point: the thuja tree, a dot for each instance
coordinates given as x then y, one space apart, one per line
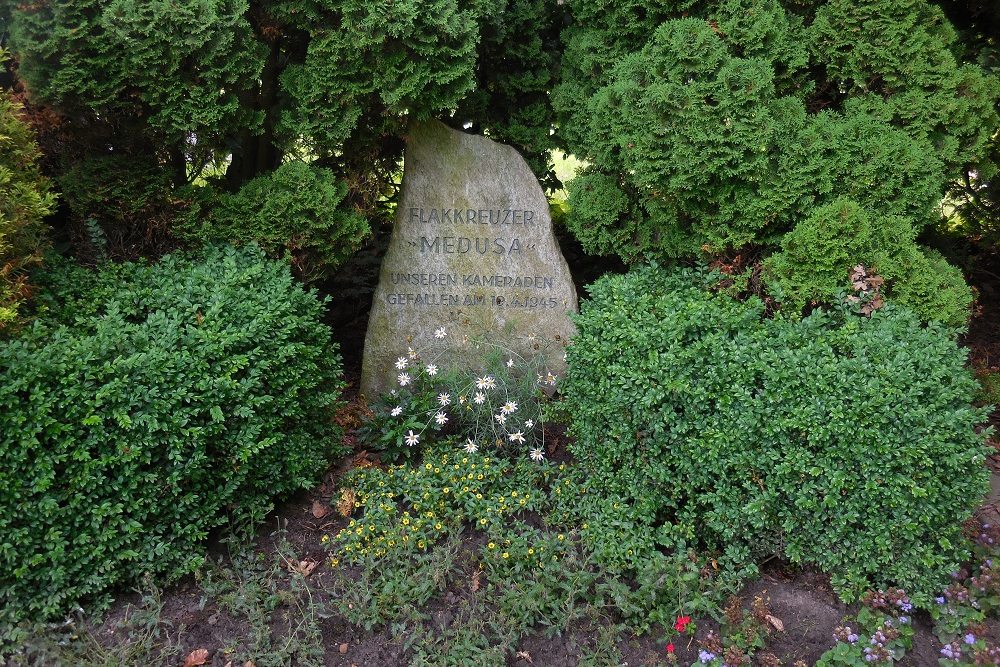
711 125
225 91
25 198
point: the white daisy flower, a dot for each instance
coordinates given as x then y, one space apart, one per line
529 424
491 383
541 379
481 383
509 407
510 363
440 333
396 411
401 363
412 438
404 379
516 437
462 400
432 369
444 399
500 417
537 455
470 446
479 398
411 352
531 337
551 379
441 418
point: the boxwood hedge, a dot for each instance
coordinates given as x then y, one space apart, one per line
837 441
156 403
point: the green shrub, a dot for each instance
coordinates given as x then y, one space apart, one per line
723 123
816 258
195 392
292 210
24 200
838 441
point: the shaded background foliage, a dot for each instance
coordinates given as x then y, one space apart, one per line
706 127
222 92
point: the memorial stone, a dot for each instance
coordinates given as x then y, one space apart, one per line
472 250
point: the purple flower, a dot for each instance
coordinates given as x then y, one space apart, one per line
853 638
705 657
939 600
951 652
970 639
904 619
906 606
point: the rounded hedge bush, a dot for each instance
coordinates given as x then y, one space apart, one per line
158 403
837 441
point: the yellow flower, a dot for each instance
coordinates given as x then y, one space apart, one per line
491 545
437 526
482 522
506 555
406 522
531 552
513 494
560 536
325 539
334 562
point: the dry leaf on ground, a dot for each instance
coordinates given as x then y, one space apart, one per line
319 510
196 657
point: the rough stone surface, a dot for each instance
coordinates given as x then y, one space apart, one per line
472 250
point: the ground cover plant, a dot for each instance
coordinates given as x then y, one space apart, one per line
148 406
533 552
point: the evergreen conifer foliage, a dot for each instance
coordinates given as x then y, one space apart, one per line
720 123
259 80
25 198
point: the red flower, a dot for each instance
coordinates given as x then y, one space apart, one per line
670 647
682 622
